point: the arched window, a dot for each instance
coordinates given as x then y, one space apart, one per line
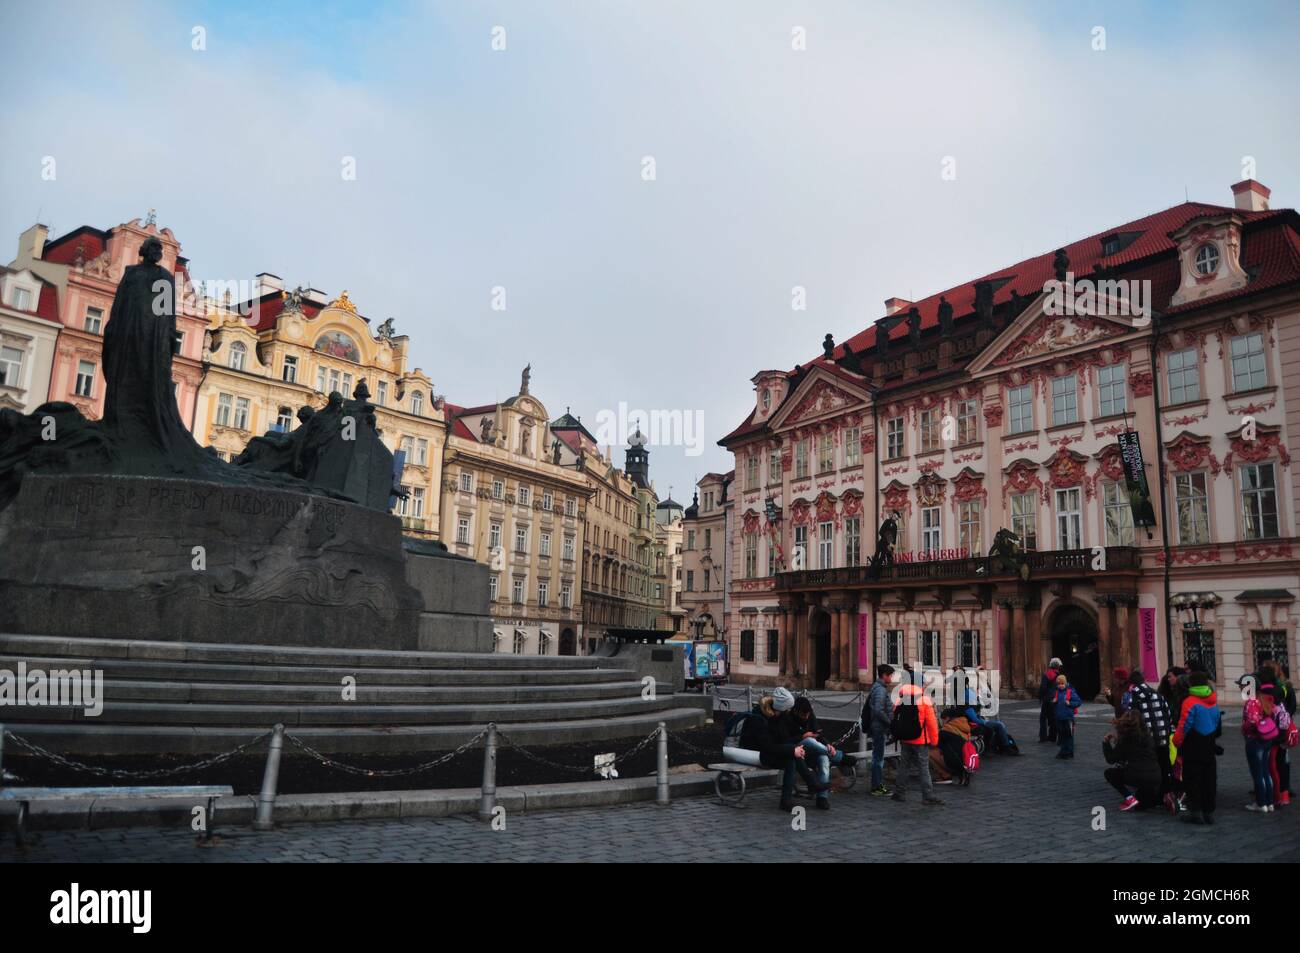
237 355
417 403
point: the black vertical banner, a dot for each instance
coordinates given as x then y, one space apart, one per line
1135 475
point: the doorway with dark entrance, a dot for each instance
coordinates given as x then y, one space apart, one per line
1075 642
568 643
821 668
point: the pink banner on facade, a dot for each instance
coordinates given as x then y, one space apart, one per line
864 662
1147 633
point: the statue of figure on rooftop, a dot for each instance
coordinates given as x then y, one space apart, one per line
914 325
386 330
945 316
828 347
1061 264
523 380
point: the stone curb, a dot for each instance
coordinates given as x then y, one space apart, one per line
236 812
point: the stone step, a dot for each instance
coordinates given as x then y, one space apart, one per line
146 669
85 739
59 646
219 693
266 715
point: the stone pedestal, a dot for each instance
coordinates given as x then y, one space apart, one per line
132 557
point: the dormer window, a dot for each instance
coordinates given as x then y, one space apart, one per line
1207 259
767 400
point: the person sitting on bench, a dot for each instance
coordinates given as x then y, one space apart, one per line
775 736
817 754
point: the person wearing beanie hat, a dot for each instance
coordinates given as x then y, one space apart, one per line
1117 693
1046 688
778 743
1065 702
782 700
1199 724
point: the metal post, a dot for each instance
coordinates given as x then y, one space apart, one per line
270 780
749 698
489 799
2 754
661 786
862 729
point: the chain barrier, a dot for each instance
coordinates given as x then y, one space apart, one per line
126 774
691 748
382 772
575 769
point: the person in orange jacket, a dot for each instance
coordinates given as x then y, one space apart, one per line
916 727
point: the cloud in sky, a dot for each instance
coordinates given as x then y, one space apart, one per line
522 168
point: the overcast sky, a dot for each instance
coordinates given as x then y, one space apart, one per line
523 168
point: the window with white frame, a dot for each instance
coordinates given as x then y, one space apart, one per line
1065 400
347 385
893 646
570 506
520 642
1206 261
417 502
567 551
284 420
774 465
543 593
771 558
544 544
751 472
382 396
1118 514
825 546
225 405
968 649
517 590
929 639
566 596
852 446
1248 369
417 403
498 490
20 299
825 453
968 428
751 556
95 320
852 540
289 372
1192 500
894 444
931 530
1183 373
1020 405
1069 519
466 481
547 501
525 495
421 452
321 384
404 500
85 385
801 543
494 584
1024 518
238 355
407 446
1112 389
494 534
800 459
11 366
1258 501
462 529
968 526
929 431
521 537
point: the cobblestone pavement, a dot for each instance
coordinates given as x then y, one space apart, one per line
1032 808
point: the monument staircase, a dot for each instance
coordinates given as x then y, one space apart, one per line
205 698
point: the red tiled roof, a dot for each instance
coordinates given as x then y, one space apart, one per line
269 307
453 413
63 250
47 304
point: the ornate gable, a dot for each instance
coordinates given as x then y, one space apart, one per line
816 398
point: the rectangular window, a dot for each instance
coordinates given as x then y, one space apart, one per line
320 379
547 501
825 453
544 545
517 591
853 541
1184 375
94 320
289 373
525 496
1069 519
1112 389
968 430
773 645
225 403
11 366
968 649
825 546
929 648
707 587
852 446
335 380
462 529
931 530
570 506
747 645
421 452
968 527
404 501
893 646
1119 514
800 459
1020 402
284 420
347 386
543 593
1198 646
774 465
1024 518
1192 498
466 481
1065 400
498 490
21 299
1269 644
751 556
771 559
708 539
690 539
894 445
494 583
519 641
85 386
417 502
1248 370
566 596
800 551
521 538
494 535
929 431
383 393
567 551
1258 501
690 580
751 472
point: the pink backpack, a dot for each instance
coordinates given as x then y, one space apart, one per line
970 757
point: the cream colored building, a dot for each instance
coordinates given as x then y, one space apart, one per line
267 357
510 502
667 585
704 557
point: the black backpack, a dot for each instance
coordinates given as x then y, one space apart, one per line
906 724
746 729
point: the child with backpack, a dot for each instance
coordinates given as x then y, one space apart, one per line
917 729
1199 724
1065 702
1260 718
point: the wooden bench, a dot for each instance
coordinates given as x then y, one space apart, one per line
29 796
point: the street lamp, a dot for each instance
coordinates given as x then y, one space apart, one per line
1193 603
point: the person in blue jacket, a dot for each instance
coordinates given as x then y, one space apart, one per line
1065 702
996 735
